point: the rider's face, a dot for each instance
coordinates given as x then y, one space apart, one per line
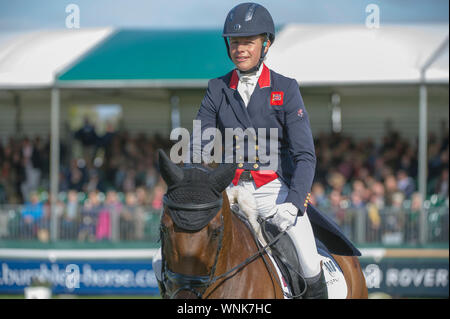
246 51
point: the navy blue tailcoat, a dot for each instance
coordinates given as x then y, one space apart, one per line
276 102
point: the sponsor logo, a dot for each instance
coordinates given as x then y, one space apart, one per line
330 267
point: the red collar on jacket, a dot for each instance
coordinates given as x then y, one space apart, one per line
263 81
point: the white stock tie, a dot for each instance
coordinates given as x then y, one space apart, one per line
247 84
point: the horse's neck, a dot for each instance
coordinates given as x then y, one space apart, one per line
239 244
238 240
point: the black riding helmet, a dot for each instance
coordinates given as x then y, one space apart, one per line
249 19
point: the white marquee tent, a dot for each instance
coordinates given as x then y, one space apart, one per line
319 55
33 59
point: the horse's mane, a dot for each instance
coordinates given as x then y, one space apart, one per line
247 205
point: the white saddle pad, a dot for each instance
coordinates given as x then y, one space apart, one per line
336 284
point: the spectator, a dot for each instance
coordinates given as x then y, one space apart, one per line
157 197
336 210
374 219
337 181
76 176
151 176
31 165
390 185
359 188
109 215
32 214
411 229
405 183
88 138
142 196
442 184
318 195
89 217
394 218
129 183
378 195
104 141
374 207
127 216
357 201
120 176
132 219
71 215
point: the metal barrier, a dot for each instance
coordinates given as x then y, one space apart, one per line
105 225
393 226
367 225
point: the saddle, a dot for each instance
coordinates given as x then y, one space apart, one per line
285 255
329 240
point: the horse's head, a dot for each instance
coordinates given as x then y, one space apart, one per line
192 224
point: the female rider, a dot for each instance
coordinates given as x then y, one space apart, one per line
251 98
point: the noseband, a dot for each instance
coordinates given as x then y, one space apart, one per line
196 284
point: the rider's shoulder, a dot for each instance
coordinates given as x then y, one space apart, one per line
221 81
282 81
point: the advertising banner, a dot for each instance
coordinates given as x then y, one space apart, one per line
87 277
397 277
407 277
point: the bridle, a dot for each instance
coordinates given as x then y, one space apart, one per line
198 284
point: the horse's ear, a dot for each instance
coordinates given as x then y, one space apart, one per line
170 172
222 176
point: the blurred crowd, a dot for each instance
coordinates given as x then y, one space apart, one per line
111 161
349 174
91 217
380 181
363 172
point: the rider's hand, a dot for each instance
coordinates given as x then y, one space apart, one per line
284 215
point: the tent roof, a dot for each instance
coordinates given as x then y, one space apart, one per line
31 60
314 55
153 57
355 54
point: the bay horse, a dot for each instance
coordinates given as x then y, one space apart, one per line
209 252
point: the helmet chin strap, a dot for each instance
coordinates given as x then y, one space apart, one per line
260 61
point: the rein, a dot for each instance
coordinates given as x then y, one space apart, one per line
198 284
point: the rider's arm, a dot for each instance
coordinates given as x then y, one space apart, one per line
207 115
301 147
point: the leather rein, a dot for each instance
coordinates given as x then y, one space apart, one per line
198 284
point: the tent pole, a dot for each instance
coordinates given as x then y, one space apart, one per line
423 158
54 161
423 139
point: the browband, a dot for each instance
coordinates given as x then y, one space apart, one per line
171 204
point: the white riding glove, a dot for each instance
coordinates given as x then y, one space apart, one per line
284 215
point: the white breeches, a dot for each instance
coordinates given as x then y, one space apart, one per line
301 233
